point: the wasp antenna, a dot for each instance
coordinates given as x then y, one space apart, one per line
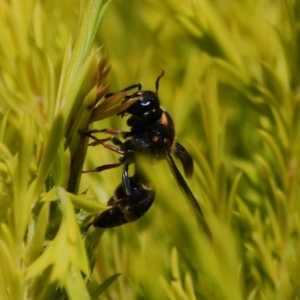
157 80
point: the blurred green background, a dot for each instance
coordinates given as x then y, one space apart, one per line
231 85
229 74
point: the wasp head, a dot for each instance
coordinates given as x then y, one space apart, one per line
148 103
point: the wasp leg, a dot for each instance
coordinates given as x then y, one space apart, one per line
106 130
113 148
137 85
108 146
98 141
109 131
104 167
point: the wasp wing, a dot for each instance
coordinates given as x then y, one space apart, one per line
185 158
183 185
187 192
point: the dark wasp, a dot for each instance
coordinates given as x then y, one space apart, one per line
151 135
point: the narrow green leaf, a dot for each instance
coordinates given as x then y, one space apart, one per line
21 214
189 287
61 166
205 169
221 192
264 167
210 118
75 286
104 285
178 291
92 18
264 256
83 202
82 120
52 140
3 125
277 86
68 54
51 104
72 103
245 214
174 265
36 244
278 156
80 259
11 278
42 262
232 196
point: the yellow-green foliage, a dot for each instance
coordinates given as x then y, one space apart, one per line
232 82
